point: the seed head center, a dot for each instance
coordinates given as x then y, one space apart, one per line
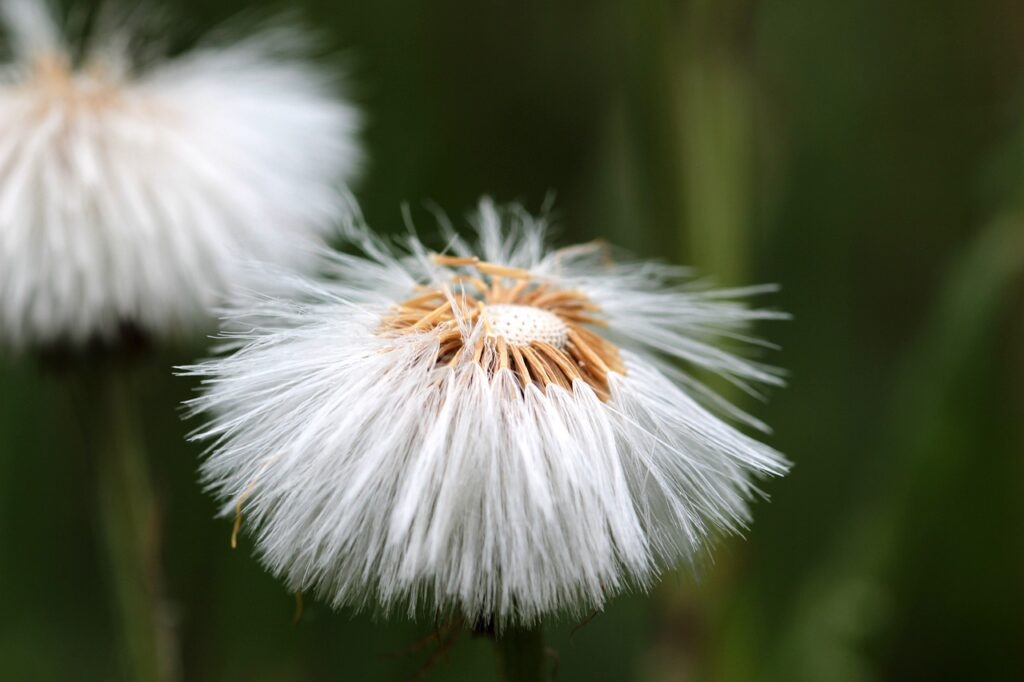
93 86
521 325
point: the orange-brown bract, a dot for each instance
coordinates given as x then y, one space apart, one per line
454 310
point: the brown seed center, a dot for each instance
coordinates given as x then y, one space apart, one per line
538 332
54 79
521 325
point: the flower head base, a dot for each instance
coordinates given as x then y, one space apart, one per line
505 319
135 188
54 82
502 431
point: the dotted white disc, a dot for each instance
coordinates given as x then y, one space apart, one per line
519 325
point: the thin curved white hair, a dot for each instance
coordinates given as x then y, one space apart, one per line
378 479
143 210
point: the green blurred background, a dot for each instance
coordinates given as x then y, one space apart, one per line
868 155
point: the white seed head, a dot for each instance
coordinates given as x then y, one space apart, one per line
521 325
503 432
138 191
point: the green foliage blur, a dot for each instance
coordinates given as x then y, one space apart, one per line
867 155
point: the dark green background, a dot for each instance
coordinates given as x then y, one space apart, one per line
867 155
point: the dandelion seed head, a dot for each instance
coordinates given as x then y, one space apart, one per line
503 431
136 190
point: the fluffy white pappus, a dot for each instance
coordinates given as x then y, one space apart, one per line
134 188
375 464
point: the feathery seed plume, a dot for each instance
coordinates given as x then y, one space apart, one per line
499 431
132 187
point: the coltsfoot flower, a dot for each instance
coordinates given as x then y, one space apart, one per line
132 187
498 431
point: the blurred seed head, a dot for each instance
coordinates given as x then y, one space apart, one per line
136 189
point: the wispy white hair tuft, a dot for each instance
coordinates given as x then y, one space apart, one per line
134 188
391 443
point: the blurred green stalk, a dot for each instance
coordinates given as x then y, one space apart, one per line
710 109
715 107
835 612
521 654
128 521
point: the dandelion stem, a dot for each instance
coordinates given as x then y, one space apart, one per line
128 519
521 654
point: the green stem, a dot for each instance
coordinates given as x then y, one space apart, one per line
521 654
128 519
